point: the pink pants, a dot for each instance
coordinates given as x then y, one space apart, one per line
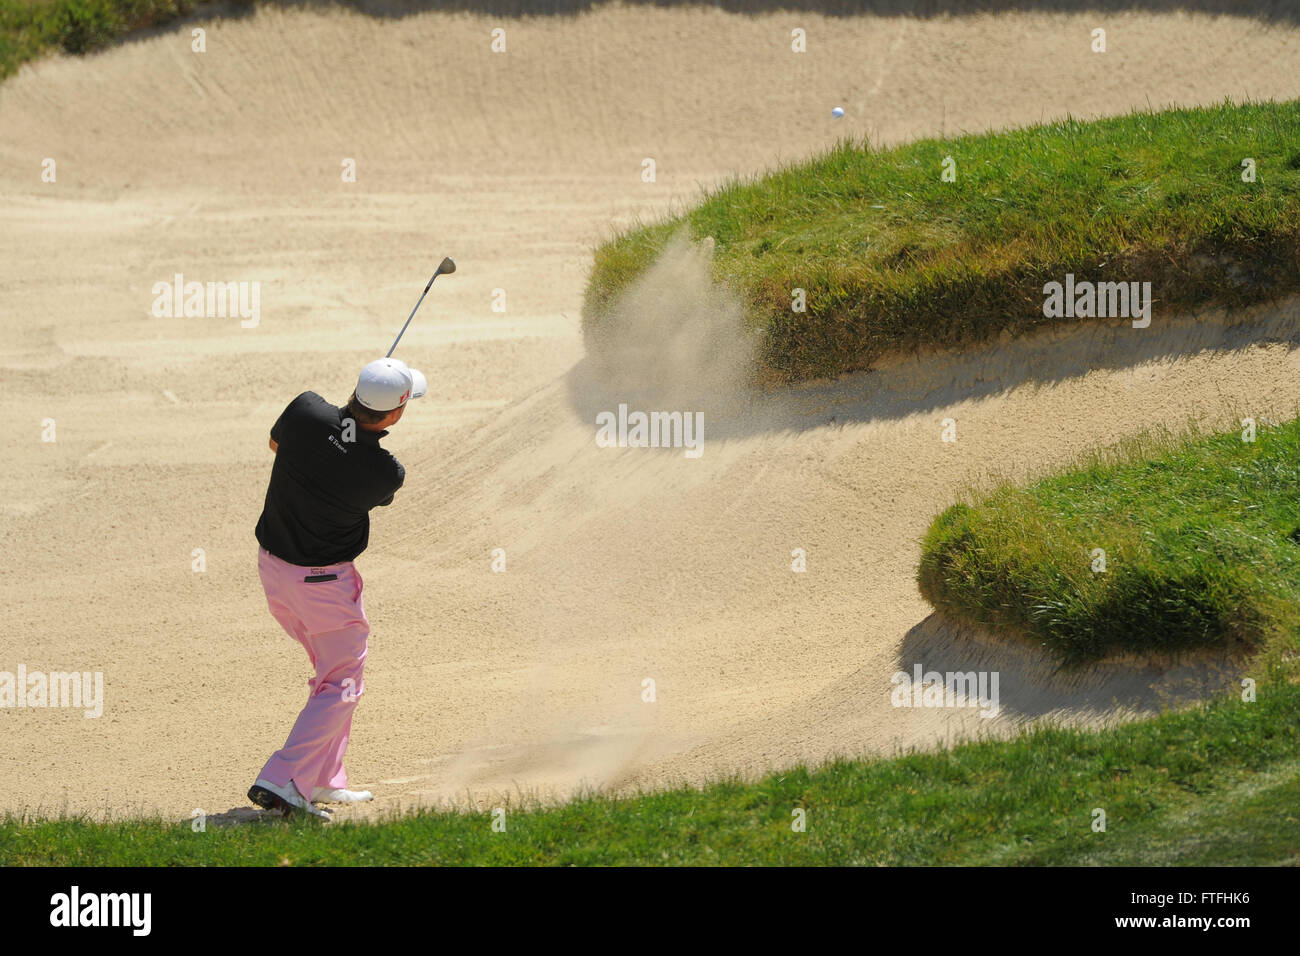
327 618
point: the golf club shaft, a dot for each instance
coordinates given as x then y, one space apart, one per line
444 267
412 315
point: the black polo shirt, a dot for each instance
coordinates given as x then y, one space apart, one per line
322 488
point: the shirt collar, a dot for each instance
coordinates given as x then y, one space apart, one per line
364 434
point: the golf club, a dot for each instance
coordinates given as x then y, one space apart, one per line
444 267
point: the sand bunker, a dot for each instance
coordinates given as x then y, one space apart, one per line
623 564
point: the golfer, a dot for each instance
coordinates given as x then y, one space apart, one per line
329 472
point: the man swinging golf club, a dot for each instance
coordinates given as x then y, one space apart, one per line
329 472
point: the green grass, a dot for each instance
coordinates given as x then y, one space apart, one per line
30 28
1257 821
892 258
1202 545
1216 783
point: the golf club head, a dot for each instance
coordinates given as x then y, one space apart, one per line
443 268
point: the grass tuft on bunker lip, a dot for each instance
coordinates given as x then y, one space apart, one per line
31 28
893 258
1201 541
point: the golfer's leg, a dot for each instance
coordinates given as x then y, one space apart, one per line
336 778
279 581
314 750
333 775
296 629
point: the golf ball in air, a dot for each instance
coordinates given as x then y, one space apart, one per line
837 112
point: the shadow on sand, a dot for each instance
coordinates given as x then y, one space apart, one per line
1268 11
1275 10
928 383
1031 684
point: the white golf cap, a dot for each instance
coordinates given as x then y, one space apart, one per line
387 383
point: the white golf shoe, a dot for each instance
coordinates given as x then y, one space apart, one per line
328 795
272 796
